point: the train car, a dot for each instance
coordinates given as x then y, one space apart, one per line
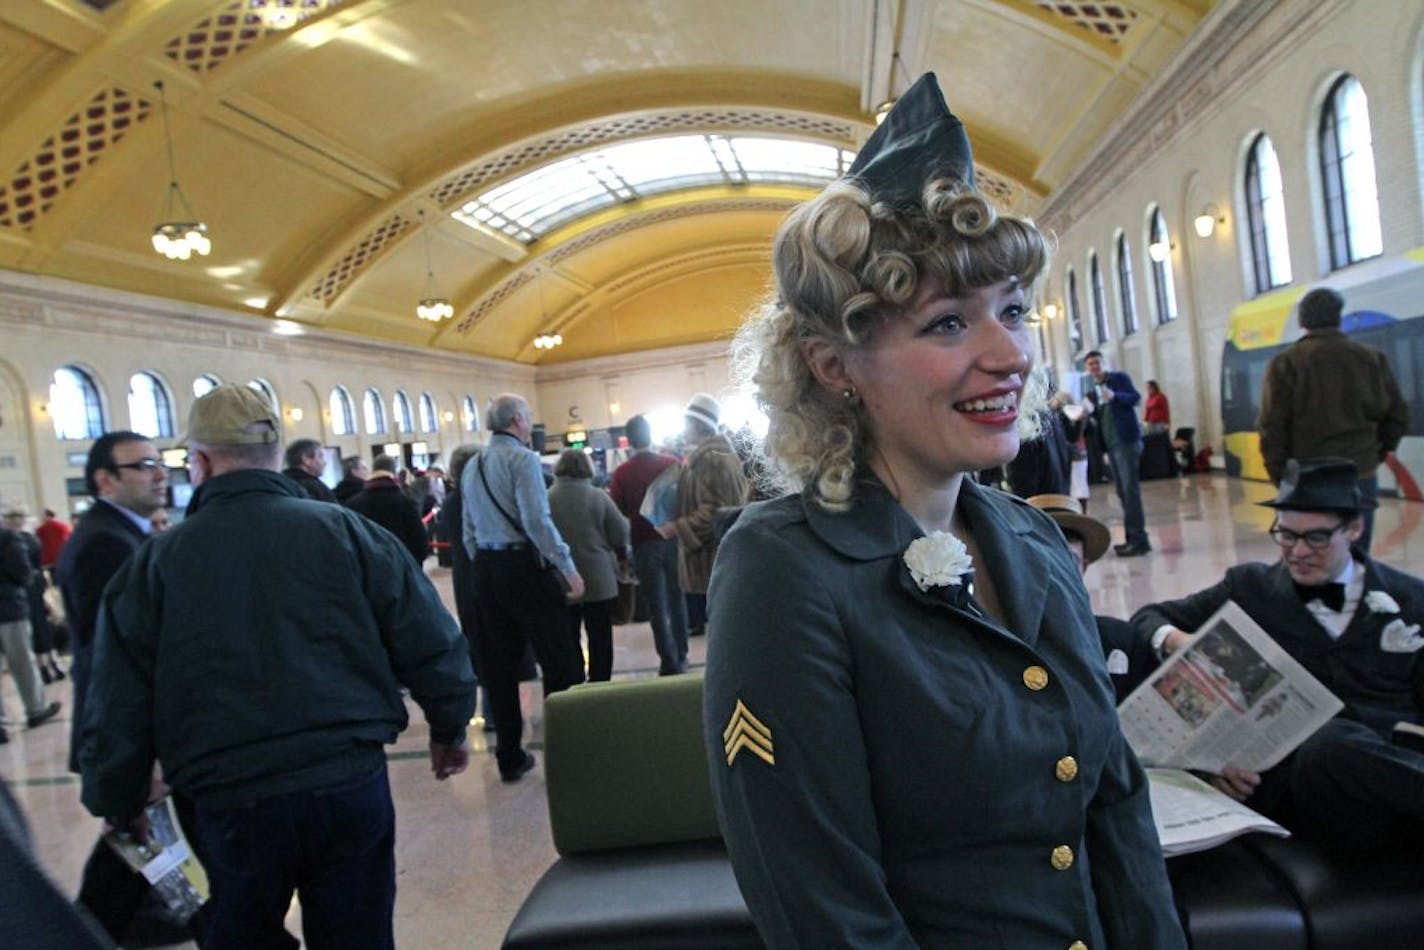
1384 308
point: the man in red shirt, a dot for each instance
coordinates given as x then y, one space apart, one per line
53 535
654 557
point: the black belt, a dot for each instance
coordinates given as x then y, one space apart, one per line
503 546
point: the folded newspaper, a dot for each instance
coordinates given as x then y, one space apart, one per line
165 861
1229 696
1193 816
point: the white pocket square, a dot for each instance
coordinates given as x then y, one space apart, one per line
1117 662
1399 637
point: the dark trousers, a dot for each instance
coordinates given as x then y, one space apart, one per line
596 618
1126 457
116 895
1349 788
656 565
333 846
520 605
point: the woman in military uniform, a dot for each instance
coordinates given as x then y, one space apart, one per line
911 730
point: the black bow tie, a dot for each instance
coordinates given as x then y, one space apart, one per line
1331 595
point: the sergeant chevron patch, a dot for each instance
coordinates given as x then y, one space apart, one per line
745 731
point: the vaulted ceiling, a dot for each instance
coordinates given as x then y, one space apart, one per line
326 143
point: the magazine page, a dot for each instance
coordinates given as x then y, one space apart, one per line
165 860
1193 816
1230 696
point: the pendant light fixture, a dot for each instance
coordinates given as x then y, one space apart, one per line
434 306
177 237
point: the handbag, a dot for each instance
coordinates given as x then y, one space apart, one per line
626 604
539 563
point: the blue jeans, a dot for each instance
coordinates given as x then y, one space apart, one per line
1369 491
1126 456
656 565
334 846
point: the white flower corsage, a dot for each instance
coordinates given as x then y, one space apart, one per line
939 559
1381 603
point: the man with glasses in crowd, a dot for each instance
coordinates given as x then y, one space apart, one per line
126 476
1355 625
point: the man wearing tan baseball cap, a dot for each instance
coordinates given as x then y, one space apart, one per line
286 628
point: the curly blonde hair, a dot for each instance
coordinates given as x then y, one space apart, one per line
843 262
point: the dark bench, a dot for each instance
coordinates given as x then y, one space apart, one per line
642 862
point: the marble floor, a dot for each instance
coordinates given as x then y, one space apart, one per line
468 850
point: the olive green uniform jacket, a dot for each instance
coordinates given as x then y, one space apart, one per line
906 773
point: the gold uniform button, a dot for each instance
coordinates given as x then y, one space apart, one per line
1066 769
1062 858
1035 678
1077 945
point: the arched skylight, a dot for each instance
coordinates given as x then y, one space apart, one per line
532 205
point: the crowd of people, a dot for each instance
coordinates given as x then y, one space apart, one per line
928 749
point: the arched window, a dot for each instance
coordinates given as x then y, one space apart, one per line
470 414
400 412
150 408
343 415
205 384
268 393
1159 252
1347 173
1266 216
1098 296
1126 298
74 405
374 412
1075 312
429 421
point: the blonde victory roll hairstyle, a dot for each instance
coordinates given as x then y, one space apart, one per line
842 262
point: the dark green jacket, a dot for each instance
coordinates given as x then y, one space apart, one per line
258 648
921 791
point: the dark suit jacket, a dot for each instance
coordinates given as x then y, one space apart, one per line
100 545
1378 686
386 503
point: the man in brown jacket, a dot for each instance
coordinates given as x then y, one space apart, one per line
711 479
1327 395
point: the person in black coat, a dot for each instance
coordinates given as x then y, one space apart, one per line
1042 465
305 462
1354 624
354 472
129 482
385 502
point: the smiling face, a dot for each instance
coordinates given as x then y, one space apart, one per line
940 382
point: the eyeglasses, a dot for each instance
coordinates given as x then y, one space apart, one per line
1317 539
147 466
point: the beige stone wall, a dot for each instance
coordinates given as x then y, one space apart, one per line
1253 67
45 324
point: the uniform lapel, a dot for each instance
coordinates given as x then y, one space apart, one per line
876 527
1001 532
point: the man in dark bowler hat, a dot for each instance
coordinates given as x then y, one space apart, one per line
1355 625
